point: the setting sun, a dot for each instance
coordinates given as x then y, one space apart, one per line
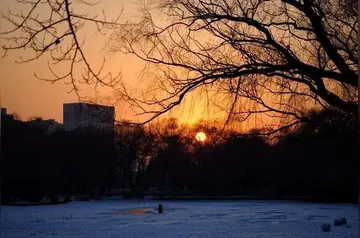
200 136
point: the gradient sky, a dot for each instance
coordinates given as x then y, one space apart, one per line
23 93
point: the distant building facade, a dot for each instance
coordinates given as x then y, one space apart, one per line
5 116
3 112
49 126
82 115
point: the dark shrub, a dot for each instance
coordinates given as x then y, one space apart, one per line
53 198
325 227
343 221
337 222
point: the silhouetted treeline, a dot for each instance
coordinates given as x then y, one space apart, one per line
318 160
37 165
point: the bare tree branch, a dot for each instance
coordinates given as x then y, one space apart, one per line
285 56
51 29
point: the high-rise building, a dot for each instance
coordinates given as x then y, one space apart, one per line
82 115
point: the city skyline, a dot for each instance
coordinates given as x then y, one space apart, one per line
5 110
27 96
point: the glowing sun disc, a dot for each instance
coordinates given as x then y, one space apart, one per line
200 136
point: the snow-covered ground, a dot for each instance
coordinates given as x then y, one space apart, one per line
123 218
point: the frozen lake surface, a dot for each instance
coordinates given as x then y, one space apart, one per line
129 218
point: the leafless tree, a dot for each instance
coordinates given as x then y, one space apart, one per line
134 147
50 28
274 58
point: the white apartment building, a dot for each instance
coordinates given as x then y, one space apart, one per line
82 115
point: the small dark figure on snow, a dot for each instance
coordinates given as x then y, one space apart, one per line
67 199
160 208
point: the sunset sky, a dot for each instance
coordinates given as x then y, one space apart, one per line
23 93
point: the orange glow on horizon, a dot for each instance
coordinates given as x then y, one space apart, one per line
22 93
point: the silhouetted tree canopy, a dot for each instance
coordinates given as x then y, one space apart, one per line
318 159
